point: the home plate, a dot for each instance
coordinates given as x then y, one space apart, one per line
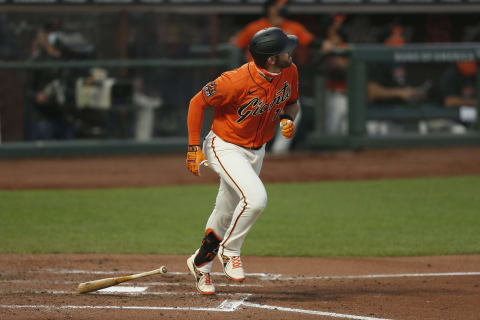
120 289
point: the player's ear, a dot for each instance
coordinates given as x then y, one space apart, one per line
272 60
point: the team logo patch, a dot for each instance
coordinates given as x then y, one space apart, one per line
210 89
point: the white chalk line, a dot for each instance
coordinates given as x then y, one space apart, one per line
152 284
123 289
134 293
112 307
217 284
232 305
280 277
225 306
319 313
268 276
375 276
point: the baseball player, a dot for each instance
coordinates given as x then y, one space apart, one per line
249 103
275 14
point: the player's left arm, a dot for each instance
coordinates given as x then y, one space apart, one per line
286 119
292 107
291 110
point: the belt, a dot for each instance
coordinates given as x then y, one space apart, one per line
252 148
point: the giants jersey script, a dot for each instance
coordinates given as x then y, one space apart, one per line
247 106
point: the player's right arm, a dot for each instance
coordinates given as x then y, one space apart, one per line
196 110
215 94
195 156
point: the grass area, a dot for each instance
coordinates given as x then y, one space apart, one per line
364 218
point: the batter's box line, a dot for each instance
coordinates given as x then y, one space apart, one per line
225 306
312 312
377 276
133 293
264 276
152 284
280 277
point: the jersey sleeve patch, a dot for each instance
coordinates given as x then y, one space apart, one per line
210 89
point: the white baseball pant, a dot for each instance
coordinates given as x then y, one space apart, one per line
241 196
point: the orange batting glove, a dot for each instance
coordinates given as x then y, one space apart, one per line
195 158
287 127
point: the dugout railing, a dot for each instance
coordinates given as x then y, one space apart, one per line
227 58
359 111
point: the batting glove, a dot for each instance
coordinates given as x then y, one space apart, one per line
195 158
287 127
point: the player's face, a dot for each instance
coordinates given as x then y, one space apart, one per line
284 60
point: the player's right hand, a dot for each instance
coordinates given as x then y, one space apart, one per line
195 158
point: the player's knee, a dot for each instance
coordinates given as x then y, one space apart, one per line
257 202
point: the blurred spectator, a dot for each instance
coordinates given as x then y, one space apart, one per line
11 86
439 28
459 83
336 101
8 47
389 85
275 15
459 88
158 101
42 45
48 117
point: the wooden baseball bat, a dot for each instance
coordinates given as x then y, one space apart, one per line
90 286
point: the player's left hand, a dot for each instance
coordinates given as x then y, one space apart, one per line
195 158
287 128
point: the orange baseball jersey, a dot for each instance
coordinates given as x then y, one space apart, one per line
288 26
246 106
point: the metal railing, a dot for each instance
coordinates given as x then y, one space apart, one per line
359 56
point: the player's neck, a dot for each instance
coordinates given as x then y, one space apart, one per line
269 73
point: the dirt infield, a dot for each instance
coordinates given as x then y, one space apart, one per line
44 286
133 171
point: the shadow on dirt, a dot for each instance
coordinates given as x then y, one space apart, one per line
270 296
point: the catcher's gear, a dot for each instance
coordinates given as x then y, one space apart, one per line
195 158
286 126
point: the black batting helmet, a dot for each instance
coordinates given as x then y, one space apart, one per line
270 42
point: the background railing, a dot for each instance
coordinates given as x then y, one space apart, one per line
165 56
132 120
360 111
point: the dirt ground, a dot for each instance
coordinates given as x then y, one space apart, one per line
136 171
44 286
